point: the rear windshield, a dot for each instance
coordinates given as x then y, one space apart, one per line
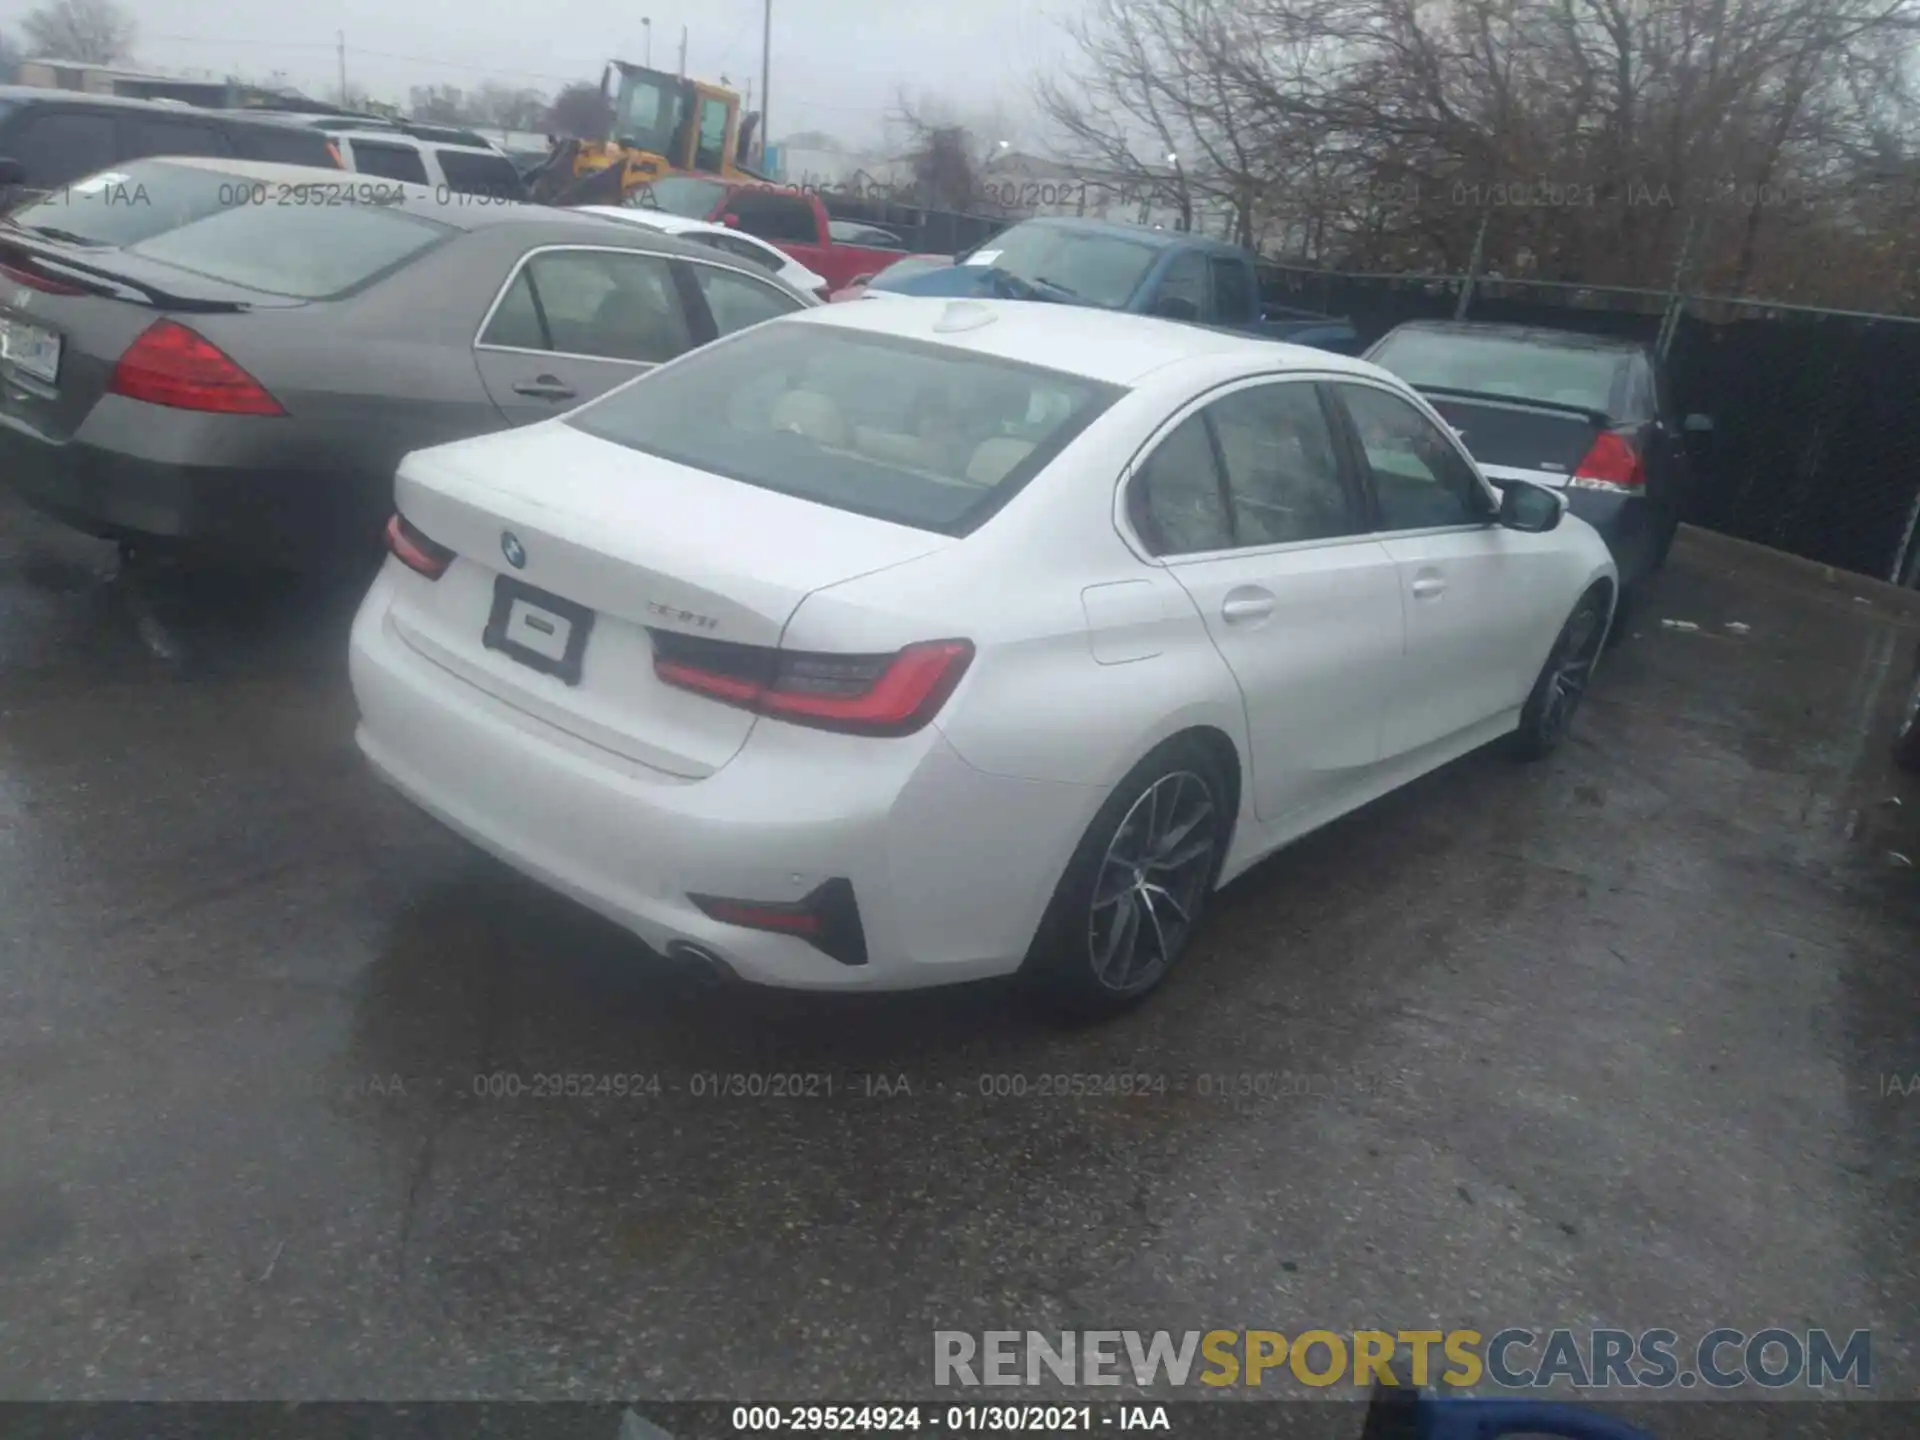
1498 365
259 234
471 172
918 434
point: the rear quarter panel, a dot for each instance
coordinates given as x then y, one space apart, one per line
1086 656
368 378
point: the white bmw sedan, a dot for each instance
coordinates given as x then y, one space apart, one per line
890 645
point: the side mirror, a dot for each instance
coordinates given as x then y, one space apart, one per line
1698 425
12 172
1176 307
1529 508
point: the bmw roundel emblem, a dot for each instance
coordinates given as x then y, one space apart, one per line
511 547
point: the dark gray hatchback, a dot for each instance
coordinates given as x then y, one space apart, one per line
233 357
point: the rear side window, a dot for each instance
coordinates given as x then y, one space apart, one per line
390 162
738 301
774 216
142 135
917 434
471 173
56 146
283 145
738 248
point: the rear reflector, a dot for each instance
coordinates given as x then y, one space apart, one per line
1612 464
893 694
827 919
415 551
171 365
36 281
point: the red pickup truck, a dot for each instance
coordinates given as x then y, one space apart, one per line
792 219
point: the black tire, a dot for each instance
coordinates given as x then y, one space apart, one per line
1906 739
1105 942
1556 695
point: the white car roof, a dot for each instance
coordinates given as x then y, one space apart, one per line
1105 345
654 219
390 137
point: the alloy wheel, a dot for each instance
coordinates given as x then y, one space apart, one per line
1571 668
1152 882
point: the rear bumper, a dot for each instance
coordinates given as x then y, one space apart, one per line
950 867
270 516
1630 524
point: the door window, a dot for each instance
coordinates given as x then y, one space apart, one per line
612 305
64 145
774 216
710 151
1183 287
1419 479
1283 477
1257 467
389 162
738 301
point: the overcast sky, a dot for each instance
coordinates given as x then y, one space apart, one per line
836 63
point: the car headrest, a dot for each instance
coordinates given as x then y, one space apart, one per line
816 416
992 459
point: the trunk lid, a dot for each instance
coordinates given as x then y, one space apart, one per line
642 543
103 300
1514 438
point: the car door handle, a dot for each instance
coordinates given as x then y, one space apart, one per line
1429 587
545 387
1243 609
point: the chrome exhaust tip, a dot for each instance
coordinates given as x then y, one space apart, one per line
700 962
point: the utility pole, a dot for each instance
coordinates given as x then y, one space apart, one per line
683 52
646 25
342 35
766 63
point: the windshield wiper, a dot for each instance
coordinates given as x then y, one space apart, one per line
1066 290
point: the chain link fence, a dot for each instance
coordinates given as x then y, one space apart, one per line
1816 441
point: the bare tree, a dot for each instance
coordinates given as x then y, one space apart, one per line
580 112
1595 141
944 154
97 32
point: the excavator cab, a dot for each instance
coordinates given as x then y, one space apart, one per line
658 125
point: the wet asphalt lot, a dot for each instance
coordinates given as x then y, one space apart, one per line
1598 1042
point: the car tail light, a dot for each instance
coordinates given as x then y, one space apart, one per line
827 919
415 551
172 365
35 281
1612 464
862 694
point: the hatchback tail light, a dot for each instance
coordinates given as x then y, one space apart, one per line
415 551
171 365
894 694
1612 464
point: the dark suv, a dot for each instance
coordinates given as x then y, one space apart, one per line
51 137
